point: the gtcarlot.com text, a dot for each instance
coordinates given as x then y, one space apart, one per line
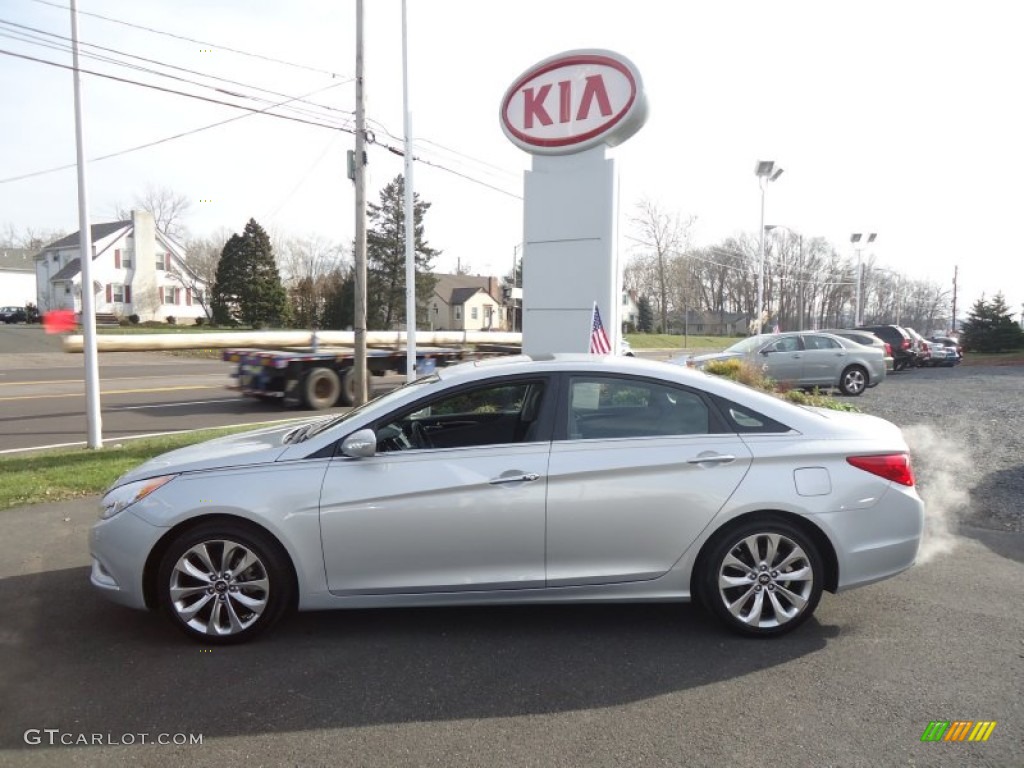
55 737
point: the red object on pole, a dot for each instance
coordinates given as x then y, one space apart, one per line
59 321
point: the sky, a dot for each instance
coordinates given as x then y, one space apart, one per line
901 118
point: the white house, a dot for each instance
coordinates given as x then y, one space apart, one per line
466 303
136 270
17 277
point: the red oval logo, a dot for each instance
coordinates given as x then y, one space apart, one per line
574 101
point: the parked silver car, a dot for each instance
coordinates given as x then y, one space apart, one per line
568 478
806 359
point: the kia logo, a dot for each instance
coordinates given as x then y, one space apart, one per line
574 101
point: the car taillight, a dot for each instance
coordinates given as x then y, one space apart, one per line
892 466
888 349
906 344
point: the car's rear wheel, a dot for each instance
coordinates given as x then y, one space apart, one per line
222 582
762 578
853 381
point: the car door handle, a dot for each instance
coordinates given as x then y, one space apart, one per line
712 458
528 477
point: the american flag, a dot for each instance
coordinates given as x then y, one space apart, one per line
599 344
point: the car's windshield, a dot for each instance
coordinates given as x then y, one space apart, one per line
379 402
749 344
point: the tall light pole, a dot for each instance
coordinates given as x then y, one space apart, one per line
765 171
855 238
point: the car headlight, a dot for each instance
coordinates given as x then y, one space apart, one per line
124 496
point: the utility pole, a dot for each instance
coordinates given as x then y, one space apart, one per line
956 269
359 324
92 371
410 223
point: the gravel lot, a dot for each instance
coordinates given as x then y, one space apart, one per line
965 427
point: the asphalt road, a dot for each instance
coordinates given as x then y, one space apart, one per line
42 393
658 685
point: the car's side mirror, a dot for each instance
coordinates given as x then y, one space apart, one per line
360 445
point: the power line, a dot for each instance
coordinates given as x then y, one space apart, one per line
249 113
193 40
169 90
117 52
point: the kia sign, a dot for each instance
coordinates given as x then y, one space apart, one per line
574 101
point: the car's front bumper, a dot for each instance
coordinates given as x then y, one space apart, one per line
119 548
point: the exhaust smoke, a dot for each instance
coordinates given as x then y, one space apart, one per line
941 467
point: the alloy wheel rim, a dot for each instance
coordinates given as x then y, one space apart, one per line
765 580
219 587
855 381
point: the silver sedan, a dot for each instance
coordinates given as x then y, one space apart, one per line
569 478
806 359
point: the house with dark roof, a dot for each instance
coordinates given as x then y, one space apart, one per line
17 277
466 303
136 270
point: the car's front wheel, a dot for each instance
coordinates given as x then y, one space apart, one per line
223 582
762 578
853 381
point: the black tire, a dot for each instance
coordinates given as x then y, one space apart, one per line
250 600
791 601
321 389
348 387
853 381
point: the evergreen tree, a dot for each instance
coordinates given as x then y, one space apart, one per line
248 286
385 259
339 300
645 315
990 327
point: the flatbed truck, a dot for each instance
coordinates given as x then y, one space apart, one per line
322 378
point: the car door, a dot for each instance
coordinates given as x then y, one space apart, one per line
824 360
782 360
637 471
461 516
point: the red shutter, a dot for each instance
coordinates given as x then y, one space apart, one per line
110 293
127 294
188 296
117 258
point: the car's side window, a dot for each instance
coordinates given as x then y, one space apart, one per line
488 415
745 420
788 344
820 342
606 407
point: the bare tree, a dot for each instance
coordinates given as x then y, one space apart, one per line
28 238
310 267
200 269
167 207
660 235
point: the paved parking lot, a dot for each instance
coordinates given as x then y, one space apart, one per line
659 685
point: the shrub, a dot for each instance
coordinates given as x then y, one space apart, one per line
200 321
745 373
133 319
171 320
124 322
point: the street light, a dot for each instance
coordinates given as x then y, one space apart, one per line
765 171
855 238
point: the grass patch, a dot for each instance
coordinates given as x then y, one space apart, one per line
673 341
993 358
135 330
70 473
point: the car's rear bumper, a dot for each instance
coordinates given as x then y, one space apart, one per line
877 542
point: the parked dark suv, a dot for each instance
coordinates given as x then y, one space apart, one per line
899 340
13 315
